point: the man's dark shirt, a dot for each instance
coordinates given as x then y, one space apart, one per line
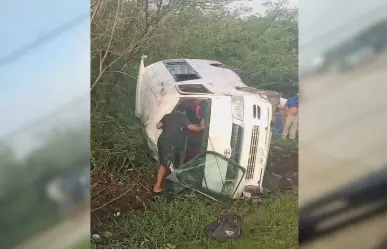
172 126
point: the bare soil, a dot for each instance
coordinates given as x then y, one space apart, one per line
284 165
110 195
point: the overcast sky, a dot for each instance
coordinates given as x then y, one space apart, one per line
47 77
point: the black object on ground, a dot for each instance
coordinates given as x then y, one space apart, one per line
228 226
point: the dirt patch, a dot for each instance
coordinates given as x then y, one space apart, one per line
283 168
282 162
112 196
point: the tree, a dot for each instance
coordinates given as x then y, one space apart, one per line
264 49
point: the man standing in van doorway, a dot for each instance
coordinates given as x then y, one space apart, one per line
290 118
172 140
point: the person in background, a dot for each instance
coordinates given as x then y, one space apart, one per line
172 140
291 119
278 122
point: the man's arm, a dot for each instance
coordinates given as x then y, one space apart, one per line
193 127
285 109
160 124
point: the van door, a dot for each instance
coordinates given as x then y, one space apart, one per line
205 114
220 125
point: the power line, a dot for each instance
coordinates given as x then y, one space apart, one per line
17 54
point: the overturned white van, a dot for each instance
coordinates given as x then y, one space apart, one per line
237 137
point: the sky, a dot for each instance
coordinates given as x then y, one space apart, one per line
47 77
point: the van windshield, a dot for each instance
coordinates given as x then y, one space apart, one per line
210 174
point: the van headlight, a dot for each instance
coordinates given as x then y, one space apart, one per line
237 107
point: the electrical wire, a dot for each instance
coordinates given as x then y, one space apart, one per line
19 53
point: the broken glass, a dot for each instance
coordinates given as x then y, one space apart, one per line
210 174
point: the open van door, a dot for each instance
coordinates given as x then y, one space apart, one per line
210 174
138 110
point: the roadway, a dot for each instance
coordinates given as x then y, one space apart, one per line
343 136
62 235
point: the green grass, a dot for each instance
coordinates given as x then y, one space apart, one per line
270 224
286 144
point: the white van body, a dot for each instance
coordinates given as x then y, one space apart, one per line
283 102
234 115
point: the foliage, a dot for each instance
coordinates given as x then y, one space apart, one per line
262 49
24 203
373 37
290 145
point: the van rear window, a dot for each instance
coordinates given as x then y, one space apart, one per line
181 70
193 88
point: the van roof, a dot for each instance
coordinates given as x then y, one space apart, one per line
196 77
209 74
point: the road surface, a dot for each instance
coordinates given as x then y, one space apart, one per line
343 136
63 235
